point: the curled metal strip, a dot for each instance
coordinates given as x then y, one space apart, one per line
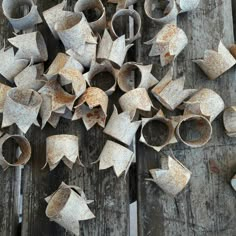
31 47
171 93
10 9
216 63
137 21
21 107
173 176
24 146
62 148
205 102
166 133
67 206
197 130
121 127
229 118
125 76
99 24
116 156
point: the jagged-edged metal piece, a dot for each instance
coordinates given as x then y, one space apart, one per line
10 66
3 93
205 102
31 46
135 102
137 21
21 107
54 14
31 77
60 98
167 135
121 127
126 75
173 176
230 121
62 148
99 24
114 51
78 38
103 70
116 156
233 182
168 43
167 11
92 108
171 93
27 22
67 206
122 4
216 63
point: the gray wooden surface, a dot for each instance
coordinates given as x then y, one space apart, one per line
206 207
110 194
208 204
9 180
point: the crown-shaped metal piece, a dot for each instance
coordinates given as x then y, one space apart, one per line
168 43
171 93
216 63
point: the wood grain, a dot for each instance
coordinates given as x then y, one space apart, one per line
207 206
110 194
10 191
10 179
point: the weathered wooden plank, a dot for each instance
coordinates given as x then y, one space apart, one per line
10 179
10 192
110 194
207 206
